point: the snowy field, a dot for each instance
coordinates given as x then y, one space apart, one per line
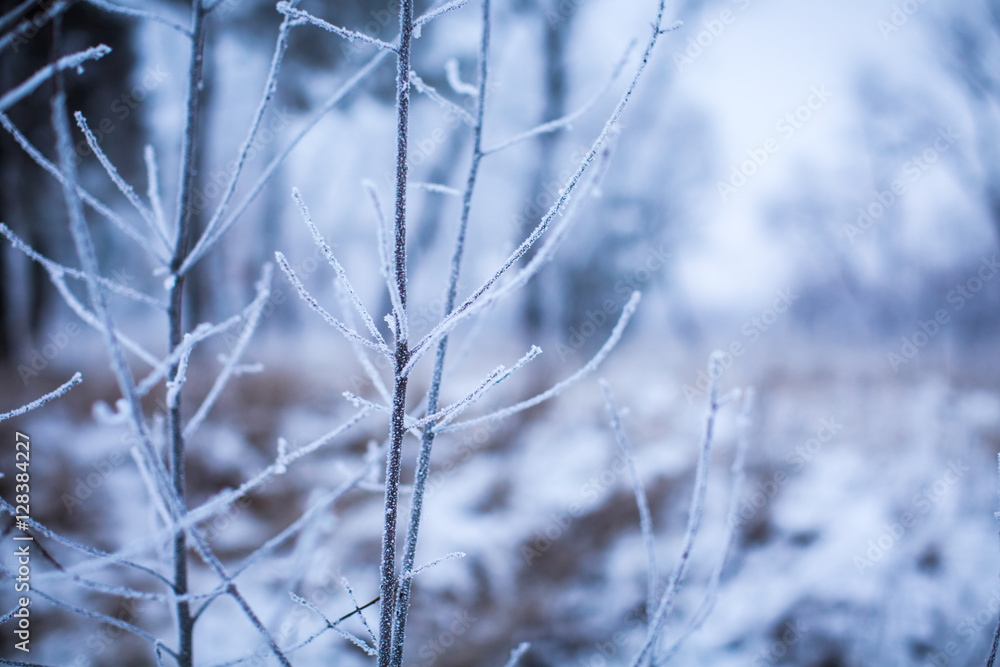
769 231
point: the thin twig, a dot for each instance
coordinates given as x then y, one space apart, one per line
73 61
641 500
39 402
694 518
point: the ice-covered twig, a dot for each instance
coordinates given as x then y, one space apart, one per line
99 557
357 609
360 353
119 182
253 315
641 500
92 320
382 233
427 439
15 14
87 198
452 556
106 618
88 260
335 626
72 61
452 411
191 339
350 35
659 621
111 285
463 403
567 120
540 258
517 653
738 476
341 273
296 526
39 402
215 226
390 642
133 12
564 196
35 23
556 389
436 187
436 12
153 189
219 228
430 91
330 319
222 501
455 79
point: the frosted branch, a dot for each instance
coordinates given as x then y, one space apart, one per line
341 274
738 476
455 555
558 388
434 13
208 240
39 402
132 12
357 641
32 26
111 286
383 234
92 321
253 315
567 120
350 35
117 179
430 91
330 319
436 187
72 61
565 194
517 654
85 196
455 79
641 500
694 517
216 226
